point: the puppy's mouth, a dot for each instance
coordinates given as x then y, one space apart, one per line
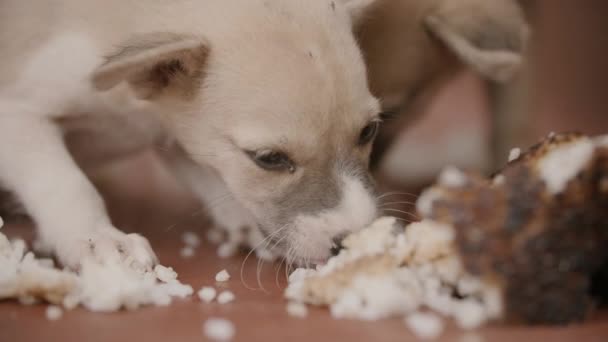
299 253
309 263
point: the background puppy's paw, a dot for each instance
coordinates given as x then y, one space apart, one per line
235 228
231 217
108 245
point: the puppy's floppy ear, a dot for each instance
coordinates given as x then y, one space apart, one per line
156 64
488 35
357 8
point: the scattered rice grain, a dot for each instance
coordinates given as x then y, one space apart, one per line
219 329
53 312
207 294
225 297
425 326
514 154
187 252
222 276
191 239
297 309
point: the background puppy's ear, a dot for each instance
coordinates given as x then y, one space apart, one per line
357 8
488 35
156 64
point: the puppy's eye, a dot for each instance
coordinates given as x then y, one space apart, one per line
272 160
369 132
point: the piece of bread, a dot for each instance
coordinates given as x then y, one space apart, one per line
539 229
528 245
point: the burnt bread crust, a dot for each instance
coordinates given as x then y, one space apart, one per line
547 251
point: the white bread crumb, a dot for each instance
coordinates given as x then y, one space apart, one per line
296 309
207 294
165 274
222 276
426 326
498 180
191 239
53 312
469 314
564 162
514 154
225 297
601 141
187 252
452 177
227 250
219 329
177 289
427 198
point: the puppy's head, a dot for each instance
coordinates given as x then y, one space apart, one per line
277 101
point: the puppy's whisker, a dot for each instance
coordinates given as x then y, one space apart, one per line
294 254
217 201
395 193
289 259
183 219
404 220
265 240
198 212
260 264
258 276
202 210
399 202
276 276
402 212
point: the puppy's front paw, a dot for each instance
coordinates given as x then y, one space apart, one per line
107 245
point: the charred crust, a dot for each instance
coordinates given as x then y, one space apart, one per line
549 252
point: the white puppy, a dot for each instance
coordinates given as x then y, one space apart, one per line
264 99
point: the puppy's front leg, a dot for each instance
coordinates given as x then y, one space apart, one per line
227 213
71 216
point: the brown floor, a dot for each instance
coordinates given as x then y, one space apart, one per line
162 215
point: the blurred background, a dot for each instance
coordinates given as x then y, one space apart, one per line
472 123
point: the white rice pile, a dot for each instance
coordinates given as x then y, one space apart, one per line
98 287
386 271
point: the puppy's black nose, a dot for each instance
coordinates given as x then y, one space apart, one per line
337 244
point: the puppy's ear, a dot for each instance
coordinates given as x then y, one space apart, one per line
488 36
155 65
357 8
